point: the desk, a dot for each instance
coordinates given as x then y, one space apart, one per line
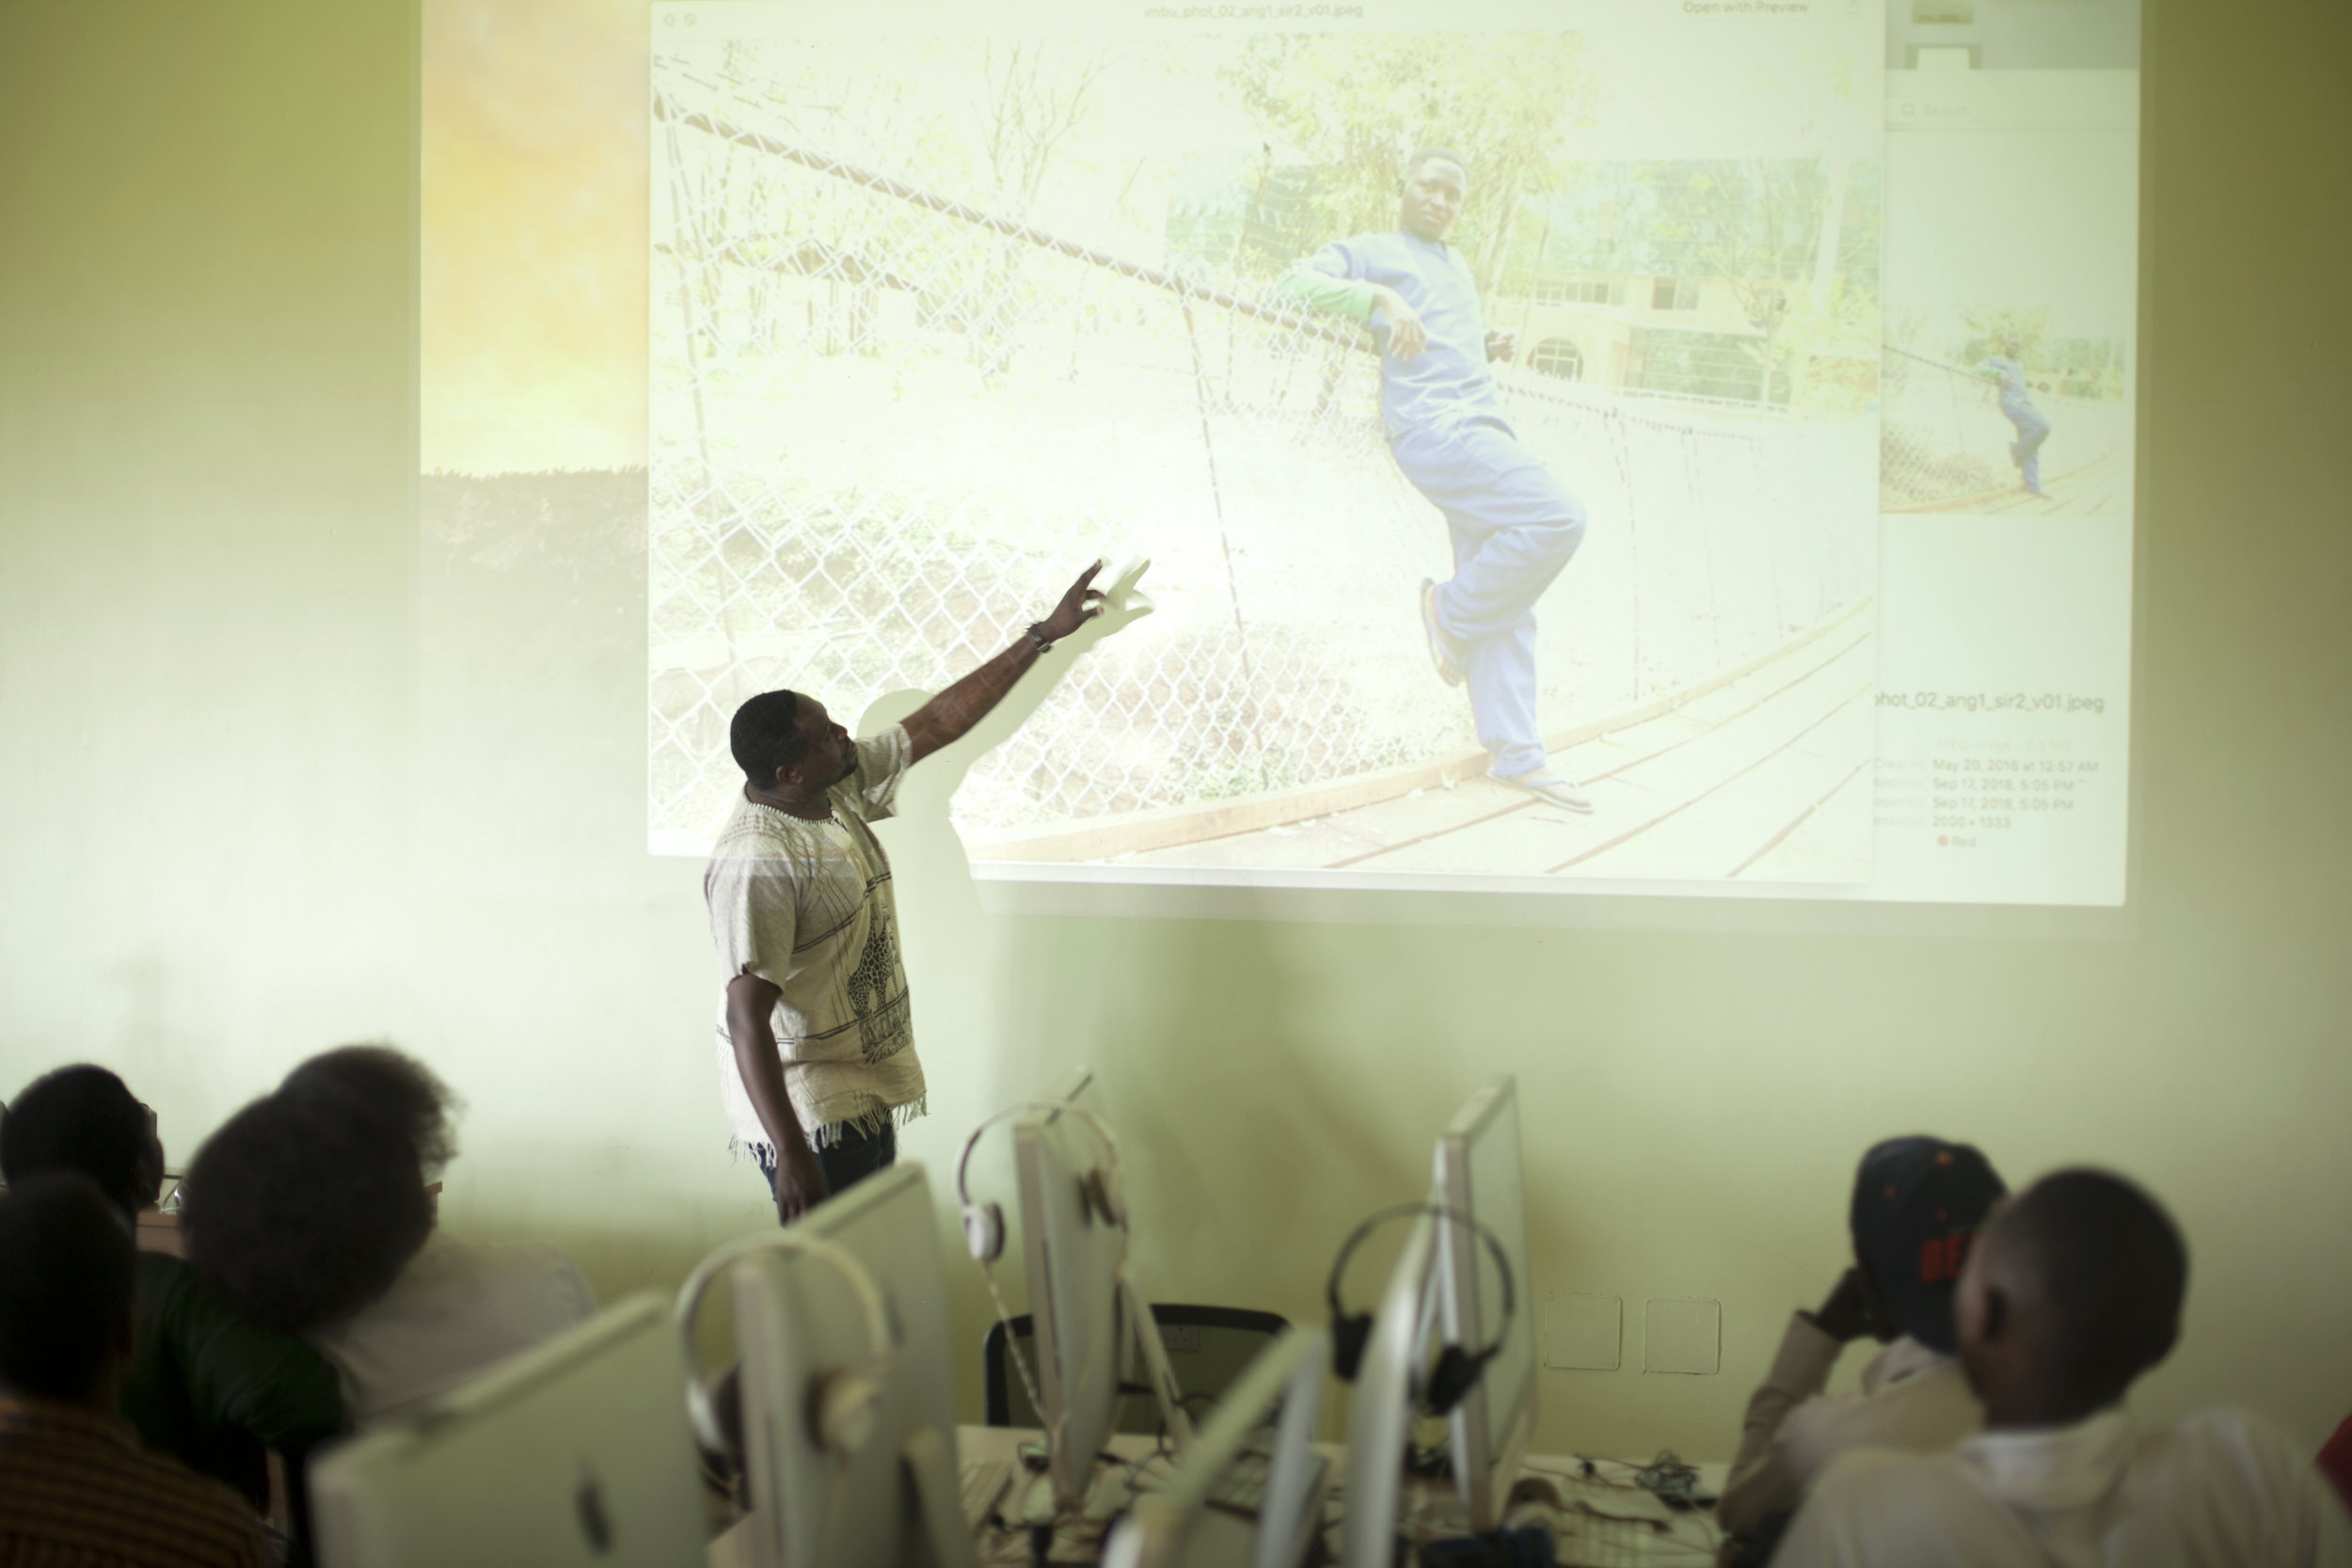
1426 1511
160 1232
158 1228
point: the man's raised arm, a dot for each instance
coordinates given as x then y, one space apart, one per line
950 717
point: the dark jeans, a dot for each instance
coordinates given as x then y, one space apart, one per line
852 1156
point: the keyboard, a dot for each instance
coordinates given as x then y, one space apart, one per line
984 1484
1241 1488
1110 1490
1614 1545
1588 1540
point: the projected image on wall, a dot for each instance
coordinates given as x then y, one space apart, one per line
1972 406
2006 463
831 372
2007 380
933 316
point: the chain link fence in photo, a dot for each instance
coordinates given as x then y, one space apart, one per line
1944 441
888 426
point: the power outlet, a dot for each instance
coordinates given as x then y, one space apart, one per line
1684 1337
1584 1334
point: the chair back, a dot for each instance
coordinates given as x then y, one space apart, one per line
1209 1347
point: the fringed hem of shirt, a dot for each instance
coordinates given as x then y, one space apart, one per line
866 1124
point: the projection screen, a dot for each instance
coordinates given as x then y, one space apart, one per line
1821 315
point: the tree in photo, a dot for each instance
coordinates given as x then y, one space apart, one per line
1032 97
1035 95
1351 108
1990 329
1772 230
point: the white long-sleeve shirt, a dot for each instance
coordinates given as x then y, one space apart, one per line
1913 1399
2219 1491
457 1310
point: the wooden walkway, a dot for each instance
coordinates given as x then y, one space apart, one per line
1766 777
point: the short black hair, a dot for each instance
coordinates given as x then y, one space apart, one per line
1423 154
764 734
65 1284
82 1118
2107 1269
305 1205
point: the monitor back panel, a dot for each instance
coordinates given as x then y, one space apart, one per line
797 1321
1380 1409
1073 1256
1479 1171
576 1453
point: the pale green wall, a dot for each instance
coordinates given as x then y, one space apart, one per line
249 805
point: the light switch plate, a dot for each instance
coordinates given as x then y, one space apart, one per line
1682 1337
1583 1333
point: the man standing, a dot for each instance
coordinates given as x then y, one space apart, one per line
817 1058
1513 525
2017 406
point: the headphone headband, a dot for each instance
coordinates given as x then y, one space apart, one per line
852 1273
984 1223
1458 1367
963 1160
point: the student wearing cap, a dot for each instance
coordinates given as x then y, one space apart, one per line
2072 1290
1916 1203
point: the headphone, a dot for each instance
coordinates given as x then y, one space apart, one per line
1458 1369
1104 1193
984 1223
841 1401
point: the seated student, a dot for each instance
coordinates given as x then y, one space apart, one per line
204 1386
1916 1203
311 1211
74 1487
2072 1290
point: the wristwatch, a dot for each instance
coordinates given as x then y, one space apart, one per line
1036 635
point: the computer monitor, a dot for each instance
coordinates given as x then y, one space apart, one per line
577 1452
893 1499
1073 1250
1380 1413
1479 1173
1250 1490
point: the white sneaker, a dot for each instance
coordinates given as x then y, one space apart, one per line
1443 651
1547 786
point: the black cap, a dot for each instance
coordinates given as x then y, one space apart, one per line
1918 1202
